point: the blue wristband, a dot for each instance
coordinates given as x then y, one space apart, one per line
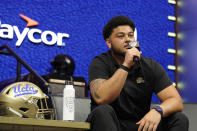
159 109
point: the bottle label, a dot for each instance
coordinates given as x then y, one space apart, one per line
69 104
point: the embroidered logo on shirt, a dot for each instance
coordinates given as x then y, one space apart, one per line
140 80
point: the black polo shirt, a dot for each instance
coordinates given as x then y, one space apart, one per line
135 98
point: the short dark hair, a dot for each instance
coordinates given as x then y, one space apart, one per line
115 22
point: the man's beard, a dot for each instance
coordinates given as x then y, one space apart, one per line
117 52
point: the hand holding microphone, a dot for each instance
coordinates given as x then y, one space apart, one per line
136 45
132 54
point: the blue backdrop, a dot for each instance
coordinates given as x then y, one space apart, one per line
188 78
83 20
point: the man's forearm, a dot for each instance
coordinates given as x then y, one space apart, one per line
171 105
108 90
171 100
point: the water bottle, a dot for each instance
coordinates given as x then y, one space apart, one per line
68 101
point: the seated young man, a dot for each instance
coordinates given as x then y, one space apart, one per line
121 88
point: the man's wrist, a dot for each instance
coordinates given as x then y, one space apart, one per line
159 110
124 68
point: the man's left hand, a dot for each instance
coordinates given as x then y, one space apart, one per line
150 121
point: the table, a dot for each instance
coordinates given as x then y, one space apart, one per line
31 124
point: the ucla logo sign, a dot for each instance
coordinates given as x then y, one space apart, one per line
24 89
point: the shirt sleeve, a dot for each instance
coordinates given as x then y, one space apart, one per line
162 80
98 69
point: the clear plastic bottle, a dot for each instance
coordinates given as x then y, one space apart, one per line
68 101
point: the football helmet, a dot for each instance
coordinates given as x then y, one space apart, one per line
63 64
25 99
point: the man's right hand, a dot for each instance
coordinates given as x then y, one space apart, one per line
130 53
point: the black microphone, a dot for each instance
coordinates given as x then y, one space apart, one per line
131 45
136 59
